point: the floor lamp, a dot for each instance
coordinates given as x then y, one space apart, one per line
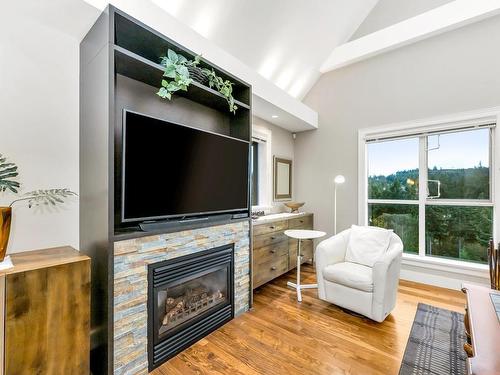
338 181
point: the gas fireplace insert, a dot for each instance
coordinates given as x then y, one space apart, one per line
189 297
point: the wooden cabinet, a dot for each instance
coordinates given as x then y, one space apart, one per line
46 313
482 330
273 252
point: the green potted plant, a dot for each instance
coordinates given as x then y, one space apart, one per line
47 197
179 72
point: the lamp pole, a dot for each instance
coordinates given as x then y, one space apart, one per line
339 179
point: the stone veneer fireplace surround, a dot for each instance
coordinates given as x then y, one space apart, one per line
131 260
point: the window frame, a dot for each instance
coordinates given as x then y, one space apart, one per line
254 146
263 137
422 129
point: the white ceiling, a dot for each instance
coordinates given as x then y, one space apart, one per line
390 12
271 43
447 17
286 41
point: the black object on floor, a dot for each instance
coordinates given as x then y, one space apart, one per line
435 345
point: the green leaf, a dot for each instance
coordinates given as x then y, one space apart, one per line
182 70
172 56
170 71
46 197
172 87
163 93
8 171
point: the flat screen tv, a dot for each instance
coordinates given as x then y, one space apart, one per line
172 171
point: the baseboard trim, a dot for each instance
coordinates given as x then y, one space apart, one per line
444 279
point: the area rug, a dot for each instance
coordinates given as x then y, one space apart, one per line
436 343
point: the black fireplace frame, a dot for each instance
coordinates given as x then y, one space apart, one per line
176 271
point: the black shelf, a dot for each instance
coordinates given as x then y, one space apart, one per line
141 69
147 43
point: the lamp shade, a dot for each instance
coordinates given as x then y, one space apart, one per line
339 179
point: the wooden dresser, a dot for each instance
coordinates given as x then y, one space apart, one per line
482 328
273 252
45 312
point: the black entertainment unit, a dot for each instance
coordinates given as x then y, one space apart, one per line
120 71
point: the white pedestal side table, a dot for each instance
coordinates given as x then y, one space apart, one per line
299 235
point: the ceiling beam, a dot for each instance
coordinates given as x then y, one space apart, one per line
448 17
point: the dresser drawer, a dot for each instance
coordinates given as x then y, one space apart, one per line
275 226
268 239
270 270
303 222
269 253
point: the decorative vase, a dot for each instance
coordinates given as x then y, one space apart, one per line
5 218
294 206
197 75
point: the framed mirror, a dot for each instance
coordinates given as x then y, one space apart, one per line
282 179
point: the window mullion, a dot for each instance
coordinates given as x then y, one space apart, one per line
422 193
494 180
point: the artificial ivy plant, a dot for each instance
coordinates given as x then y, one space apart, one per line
225 87
176 77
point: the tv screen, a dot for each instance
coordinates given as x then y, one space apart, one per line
172 170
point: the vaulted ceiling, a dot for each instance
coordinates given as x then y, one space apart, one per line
286 41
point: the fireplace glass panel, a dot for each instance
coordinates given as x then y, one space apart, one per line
182 302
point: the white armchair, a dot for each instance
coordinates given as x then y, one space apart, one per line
369 291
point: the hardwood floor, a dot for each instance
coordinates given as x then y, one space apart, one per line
282 336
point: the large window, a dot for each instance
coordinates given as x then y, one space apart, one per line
434 190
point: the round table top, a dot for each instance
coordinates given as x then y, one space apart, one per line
304 234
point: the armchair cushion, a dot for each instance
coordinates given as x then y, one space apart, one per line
351 275
367 244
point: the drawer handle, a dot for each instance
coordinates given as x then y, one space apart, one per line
273 268
273 238
273 251
271 227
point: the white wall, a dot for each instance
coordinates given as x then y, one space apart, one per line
450 73
39 122
282 145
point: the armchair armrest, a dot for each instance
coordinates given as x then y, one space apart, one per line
382 264
386 272
328 252
331 251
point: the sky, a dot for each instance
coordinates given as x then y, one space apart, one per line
456 150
